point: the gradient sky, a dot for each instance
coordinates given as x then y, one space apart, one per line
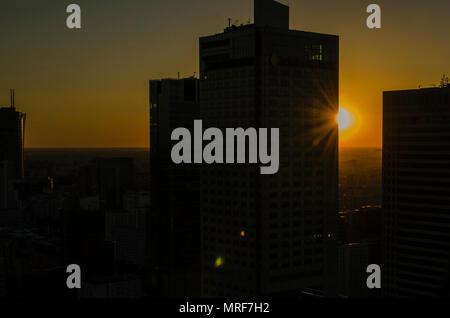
89 87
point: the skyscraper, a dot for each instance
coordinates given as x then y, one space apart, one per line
353 260
174 219
271 234
416 179
12 138
4 184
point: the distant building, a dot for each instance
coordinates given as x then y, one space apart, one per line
137 201
108 178
416 191
353 261
363 225
30 265
47 208
128 232
12 139
4 184
128 228
85 241
23 190
90 203
271 235
2 276
12 136
174 221
111 287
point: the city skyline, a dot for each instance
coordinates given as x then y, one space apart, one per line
90 85
283 151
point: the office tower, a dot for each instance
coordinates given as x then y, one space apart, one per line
2 276
12 137
174 222
271 234
4 193
353 260
127 231
109 179
416 204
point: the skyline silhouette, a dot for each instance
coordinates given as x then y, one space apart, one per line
349 199
90 84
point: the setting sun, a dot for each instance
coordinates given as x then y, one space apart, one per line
344 119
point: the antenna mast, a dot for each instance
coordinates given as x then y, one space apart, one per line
444 81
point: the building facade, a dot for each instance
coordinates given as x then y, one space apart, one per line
353 259
12 139
416 195
174 221
271 234
108 178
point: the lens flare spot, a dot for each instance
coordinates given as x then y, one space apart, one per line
219 262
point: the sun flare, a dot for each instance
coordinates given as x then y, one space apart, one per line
344 119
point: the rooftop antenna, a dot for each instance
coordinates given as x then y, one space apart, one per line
444 81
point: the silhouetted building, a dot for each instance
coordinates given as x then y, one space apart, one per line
127 231
12 136
174 222
31 265
363 225
85 241
137 201
272 14
271 234
4 184
111 287
2 276
353 261
108 178
416 192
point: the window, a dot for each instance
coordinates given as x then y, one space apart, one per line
314 52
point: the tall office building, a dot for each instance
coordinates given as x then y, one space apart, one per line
4 193
271 234
12 137
353 260
416 195
174 219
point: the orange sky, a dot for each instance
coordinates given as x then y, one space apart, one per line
88 88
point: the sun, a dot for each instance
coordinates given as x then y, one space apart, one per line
344 119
